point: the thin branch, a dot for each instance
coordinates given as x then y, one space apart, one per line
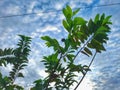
86 71
80 50
83 47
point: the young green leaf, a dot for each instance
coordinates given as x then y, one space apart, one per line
66 25
65 12
97 18
102 17
51 42
79 21
69 10
76 11
103 29
106 20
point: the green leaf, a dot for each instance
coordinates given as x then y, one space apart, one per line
95 42
84 29
85 53
102 17
69 10
70 57
97 45
96 18
64 59
91 26
54 56
67 44
66 26
103 29
101 37
38 81
64 12
76 11
18 87
88 51
51 42
106 20
79 21
20 75
82 36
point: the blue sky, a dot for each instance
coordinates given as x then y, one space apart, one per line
105 74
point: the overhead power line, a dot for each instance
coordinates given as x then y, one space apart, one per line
25 14
111 4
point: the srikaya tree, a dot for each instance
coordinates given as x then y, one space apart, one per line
83 36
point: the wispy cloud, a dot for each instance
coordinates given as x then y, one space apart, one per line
48 28
105 70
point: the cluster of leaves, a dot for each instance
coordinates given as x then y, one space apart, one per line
82 37
5 59
18 60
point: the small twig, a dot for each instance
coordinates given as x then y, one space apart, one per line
86 71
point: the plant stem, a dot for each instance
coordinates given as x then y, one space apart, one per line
83 47
53 72
80 50
86 71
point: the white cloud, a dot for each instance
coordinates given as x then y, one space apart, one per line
11 10
48 28
108 1
87 1
32 63
28 19
42 72
79 3
34 34
31 6
86 85
59 6
40 14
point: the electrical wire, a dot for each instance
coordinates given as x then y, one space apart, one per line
25 14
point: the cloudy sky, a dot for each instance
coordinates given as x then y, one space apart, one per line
105 74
